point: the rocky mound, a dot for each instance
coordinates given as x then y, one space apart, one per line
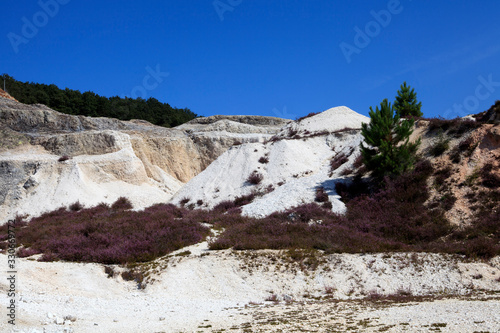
249 120
292 165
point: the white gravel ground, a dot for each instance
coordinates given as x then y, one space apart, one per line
224 289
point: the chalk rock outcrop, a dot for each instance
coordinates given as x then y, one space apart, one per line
293 164
49 159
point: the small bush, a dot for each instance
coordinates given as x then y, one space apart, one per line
346 172
327 205
63 158
264 160
321 195
338 161
455 127
440 147
307 116
358 162
489 179
26 252
348 191
244 199
75 207
110 272
272 298
224 206
465 147
199 202
129 275
448 201
330 290
441 176
184 201
122 203
255 178
293 133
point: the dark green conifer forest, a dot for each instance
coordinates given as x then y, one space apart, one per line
90 104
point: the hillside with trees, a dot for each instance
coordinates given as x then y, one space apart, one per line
74 102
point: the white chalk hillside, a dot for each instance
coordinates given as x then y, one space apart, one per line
298 163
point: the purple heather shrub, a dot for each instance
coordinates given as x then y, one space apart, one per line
122 203
110 236
255 178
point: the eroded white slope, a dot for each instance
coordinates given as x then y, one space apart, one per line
298 163
89 179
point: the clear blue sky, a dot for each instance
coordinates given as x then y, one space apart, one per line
261 57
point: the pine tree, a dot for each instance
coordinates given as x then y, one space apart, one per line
388 150
406 102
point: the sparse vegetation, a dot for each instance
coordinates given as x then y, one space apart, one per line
321 195
264 160
307 116
244 199
64 158
441 145
255 178
453 127
338 160
75 207
110 272
122 203
184 201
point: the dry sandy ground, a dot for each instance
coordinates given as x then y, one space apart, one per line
228 291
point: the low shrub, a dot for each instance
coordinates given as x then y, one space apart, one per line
352 189
293 133
307 116
440 147
321 195
264 160
26 252
347 172
455 127
244 199
130 275
338 161
255 178
110 272
75 207
327 205
64 158
489 179
441 176
358 162
272 298
224 206
122 203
